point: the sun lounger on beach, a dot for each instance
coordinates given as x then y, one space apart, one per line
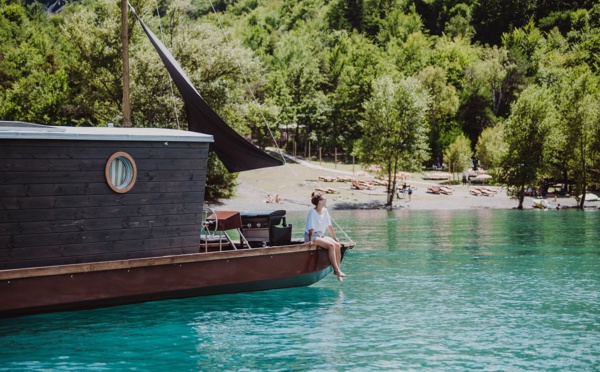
475 192
440 190
344 179
437 176
485 192
328 190
379 183
433 189
366 184
358 186
489 190
446 190
326 178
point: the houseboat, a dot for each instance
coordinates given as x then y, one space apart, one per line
93 217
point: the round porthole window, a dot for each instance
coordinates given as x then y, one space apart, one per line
120 172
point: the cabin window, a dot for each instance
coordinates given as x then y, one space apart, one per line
120 172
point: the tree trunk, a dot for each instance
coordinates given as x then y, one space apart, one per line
392 169
390 196
583 176
521 195
390 187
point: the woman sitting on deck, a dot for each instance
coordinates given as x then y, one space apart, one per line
317 222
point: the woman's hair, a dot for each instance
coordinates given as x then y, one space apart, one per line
316 197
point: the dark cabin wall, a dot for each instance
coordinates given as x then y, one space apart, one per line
57 208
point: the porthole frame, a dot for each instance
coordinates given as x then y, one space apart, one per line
130 169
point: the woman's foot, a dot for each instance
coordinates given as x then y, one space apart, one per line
339 273
340 278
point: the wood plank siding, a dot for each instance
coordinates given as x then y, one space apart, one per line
56 206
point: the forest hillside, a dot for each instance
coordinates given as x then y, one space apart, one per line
511 85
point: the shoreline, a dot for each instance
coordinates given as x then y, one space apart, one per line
295 183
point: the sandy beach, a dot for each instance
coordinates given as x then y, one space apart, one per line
295 182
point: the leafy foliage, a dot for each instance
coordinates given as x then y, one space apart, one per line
459 154
442 107
491 148
395 127
579 104
528 133
262 64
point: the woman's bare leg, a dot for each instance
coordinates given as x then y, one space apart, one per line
338 256
334 254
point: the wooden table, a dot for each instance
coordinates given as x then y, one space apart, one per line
228 220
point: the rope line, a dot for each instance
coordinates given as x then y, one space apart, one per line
250 90
237 61
162 35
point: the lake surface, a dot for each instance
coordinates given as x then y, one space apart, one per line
426 290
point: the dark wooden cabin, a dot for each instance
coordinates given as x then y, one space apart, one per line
79 195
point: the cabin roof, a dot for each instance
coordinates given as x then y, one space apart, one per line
22 130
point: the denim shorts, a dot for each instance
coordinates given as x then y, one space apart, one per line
315 235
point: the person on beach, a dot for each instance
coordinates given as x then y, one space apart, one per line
317 222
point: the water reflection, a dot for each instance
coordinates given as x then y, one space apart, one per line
426 290
284 326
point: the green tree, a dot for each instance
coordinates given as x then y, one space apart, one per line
395 128
526 47
456 55
458 155
34 82
460 22
398 25
528 133
352 65
442 107
296 62
259 121
579 104
219 182
496 74
491 148
494 17
96 64
411 55
346 15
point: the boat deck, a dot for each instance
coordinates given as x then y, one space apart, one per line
221 243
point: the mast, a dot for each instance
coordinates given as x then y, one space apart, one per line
125 42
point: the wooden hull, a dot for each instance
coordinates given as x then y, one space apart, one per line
110 283
95 217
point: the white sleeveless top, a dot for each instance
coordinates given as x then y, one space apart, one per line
317 222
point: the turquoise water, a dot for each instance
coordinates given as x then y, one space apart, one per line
445 290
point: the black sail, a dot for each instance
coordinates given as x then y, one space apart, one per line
236 153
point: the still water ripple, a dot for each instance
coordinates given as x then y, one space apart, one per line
427 290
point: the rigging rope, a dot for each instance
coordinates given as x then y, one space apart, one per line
162 36
230 45
253 97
